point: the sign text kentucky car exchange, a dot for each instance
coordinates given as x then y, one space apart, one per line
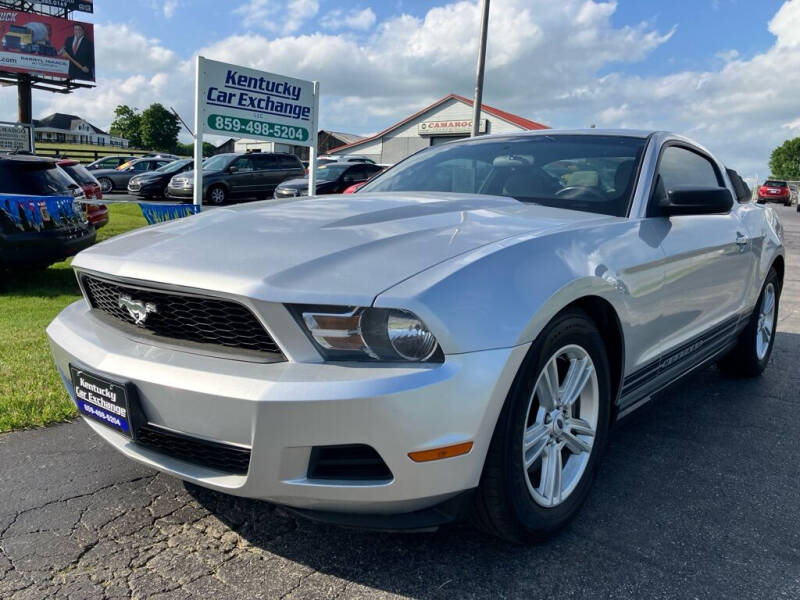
255 104
267 89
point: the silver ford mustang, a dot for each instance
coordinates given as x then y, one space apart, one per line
455 339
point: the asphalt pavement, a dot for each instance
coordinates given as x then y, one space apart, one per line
696 497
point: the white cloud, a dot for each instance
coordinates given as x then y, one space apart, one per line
137 53
274 16
355 19
169 7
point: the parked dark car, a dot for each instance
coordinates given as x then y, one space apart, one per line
333 178
37 243
237 176
109 162
117 179
96 213
775 191
154 183
349 158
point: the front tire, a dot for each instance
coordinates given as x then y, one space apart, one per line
751 354
216 195
106 185
550 433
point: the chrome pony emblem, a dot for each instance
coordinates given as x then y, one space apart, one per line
137 309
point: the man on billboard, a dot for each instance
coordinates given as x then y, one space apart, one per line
80 52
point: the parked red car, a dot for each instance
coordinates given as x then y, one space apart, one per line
96 213
774 191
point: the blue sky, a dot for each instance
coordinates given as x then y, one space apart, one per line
725 72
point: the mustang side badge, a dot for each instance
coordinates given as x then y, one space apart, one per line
137 309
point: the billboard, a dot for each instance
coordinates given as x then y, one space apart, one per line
81 5
41 45
242 102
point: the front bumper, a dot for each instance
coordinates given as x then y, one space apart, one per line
281 410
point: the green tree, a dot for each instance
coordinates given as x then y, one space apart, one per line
159 128
784 162
188 149
127 124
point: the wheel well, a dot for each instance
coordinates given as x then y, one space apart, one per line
779 268
607 321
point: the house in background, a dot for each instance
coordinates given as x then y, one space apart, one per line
61 128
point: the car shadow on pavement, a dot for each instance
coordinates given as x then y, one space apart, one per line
674 511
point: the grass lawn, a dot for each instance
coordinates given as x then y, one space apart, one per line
31 392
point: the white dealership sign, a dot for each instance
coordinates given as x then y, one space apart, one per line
452 127
15 137
240 102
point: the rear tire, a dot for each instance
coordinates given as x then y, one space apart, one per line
540 429
751 354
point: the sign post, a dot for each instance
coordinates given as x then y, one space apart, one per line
231 100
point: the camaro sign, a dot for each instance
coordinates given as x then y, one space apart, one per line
246 103
449 127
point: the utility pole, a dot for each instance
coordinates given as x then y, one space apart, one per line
478 99
24 99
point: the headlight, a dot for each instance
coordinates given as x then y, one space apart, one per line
370 334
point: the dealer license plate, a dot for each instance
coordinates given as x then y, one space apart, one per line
102 400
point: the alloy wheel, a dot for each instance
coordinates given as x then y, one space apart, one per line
217 196
766 321
560 426
105 185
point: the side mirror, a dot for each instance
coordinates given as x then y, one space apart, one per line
689 200
233 169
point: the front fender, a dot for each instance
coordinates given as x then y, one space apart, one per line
503 294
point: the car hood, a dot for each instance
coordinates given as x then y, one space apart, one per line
341 250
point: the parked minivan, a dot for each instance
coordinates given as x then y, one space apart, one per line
252 175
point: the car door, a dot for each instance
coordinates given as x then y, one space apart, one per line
264 166
240 178
274 172
709 261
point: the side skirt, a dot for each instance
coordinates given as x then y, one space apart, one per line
639 386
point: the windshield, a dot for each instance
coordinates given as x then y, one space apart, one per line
331 171
174 167
218 162
773 183
593 173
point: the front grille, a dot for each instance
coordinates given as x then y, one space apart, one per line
222 457
354 462
183 317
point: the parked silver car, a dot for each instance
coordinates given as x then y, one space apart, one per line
455 339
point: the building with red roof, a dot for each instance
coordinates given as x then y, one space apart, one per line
446 119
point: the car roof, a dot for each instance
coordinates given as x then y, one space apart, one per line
26 158
68 162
